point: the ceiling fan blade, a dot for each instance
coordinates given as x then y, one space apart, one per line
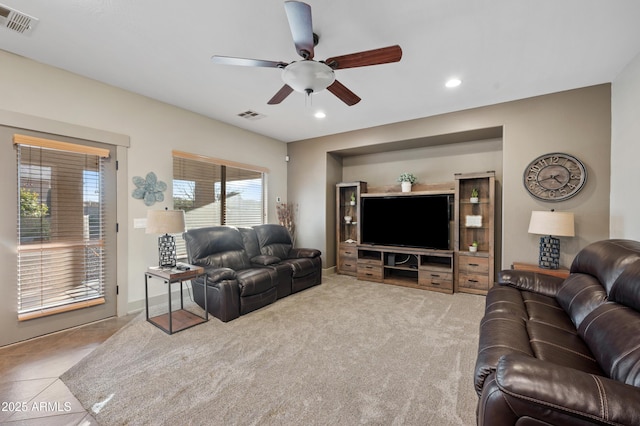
383 55
299 16
228 60
344 94
281 95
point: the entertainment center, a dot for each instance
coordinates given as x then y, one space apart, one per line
419 239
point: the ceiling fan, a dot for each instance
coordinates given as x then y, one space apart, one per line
308 75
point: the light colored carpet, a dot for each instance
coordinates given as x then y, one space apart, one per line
346 352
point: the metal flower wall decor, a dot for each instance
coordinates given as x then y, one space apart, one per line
148 189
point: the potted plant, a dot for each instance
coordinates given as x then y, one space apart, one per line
406 180
473 247
353 199
474 196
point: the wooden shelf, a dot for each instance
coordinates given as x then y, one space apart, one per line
348 233
474 271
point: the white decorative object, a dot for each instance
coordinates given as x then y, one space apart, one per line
347 219
473 221
406 186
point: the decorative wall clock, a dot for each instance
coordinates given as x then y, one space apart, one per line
554 177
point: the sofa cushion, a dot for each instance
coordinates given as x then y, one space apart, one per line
507 300
303 266
626 289
250 240
611 332
579 295
217 246
545 310
256 280
606 260
561 347
274 240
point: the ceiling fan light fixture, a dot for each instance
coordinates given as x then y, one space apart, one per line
308 76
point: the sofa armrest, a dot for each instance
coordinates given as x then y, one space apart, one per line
215 275
535 282
550 392
265 259
296 253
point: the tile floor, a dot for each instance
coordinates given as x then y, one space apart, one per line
31 392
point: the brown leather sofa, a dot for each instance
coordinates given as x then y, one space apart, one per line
243 274
564 352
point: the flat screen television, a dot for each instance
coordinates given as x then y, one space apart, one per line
420 221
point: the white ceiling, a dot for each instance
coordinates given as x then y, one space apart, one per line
501 49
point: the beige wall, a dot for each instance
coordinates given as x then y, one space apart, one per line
625 152
576 122
154 129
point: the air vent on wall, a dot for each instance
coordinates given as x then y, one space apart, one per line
16 21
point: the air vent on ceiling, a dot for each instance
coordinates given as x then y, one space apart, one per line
16 21
251 115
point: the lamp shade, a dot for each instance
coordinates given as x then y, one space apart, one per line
165 222
560 224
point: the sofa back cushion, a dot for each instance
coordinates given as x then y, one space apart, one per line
626 289
606 260
250 240
274 240
579 295
611 332
217 247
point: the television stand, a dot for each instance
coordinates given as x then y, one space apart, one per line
408 267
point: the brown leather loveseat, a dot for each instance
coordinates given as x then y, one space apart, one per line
564 352
248 268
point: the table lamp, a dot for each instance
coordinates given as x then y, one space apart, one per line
166 222
550 224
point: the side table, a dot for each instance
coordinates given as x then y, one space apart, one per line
181 319
560 272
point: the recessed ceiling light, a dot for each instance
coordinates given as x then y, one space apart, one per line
453 82
320 114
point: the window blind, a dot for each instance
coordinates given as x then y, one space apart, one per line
215 192
60 226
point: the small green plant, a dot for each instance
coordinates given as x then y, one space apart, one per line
474 244
474 193
407 177
353 197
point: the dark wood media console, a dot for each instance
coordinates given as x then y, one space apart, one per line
407 267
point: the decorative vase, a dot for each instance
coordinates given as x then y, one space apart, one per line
347 219
353 203
406 186
473 249
474 200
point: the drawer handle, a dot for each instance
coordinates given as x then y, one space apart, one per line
434 283
474 264
435 275
347 264
348 252
473 281
368 274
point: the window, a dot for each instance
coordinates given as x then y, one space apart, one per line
60 226
216 192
